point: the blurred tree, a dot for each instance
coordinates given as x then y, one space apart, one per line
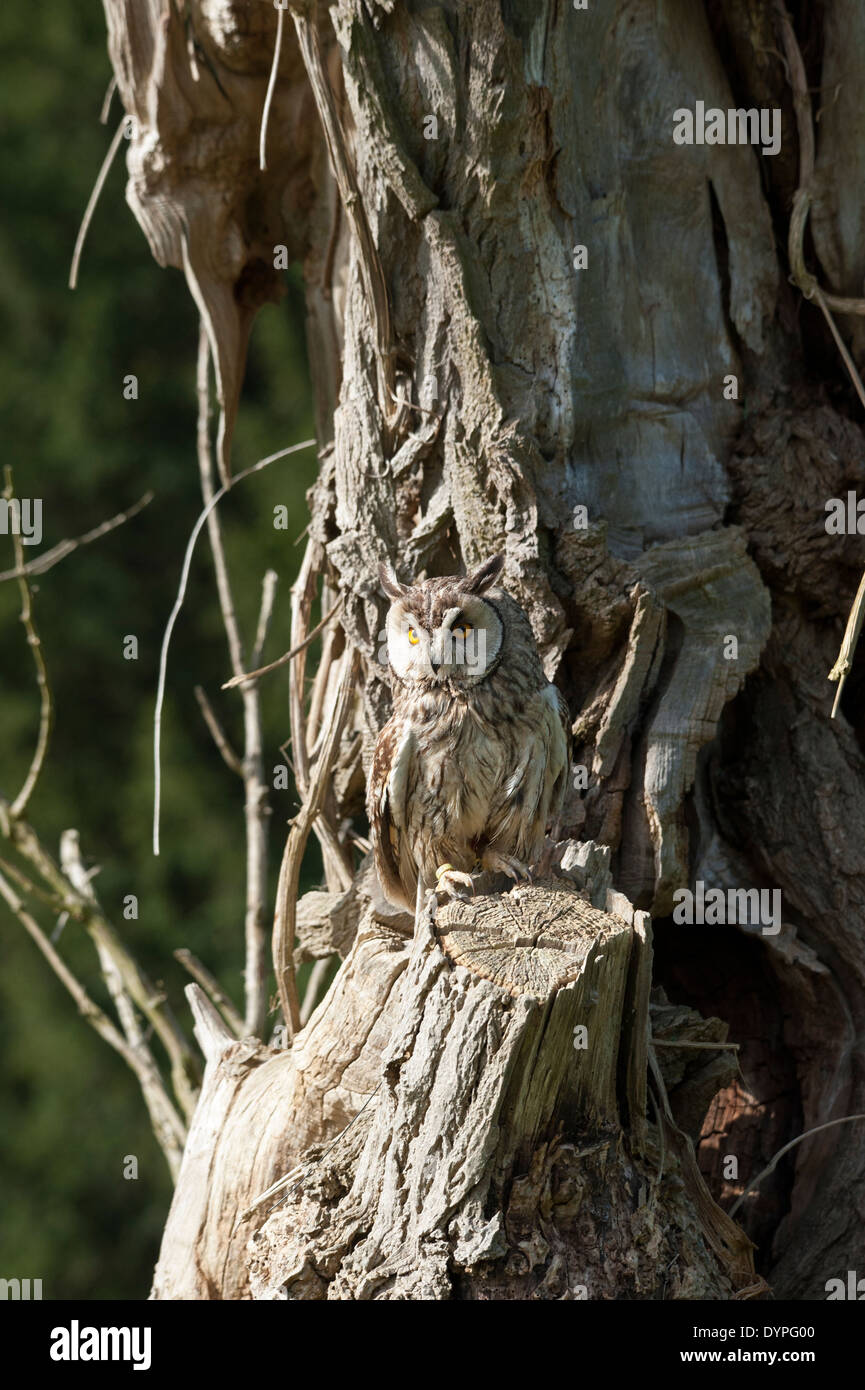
69 1112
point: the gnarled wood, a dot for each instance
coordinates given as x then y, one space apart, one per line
484 144
492 1156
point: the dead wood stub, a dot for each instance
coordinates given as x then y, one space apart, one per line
522 941
504 1148
567 962
471 1150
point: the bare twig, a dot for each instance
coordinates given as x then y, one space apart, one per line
856 379
320 685
73 867
30 888
46 704
72 884
49 558
265 612
93 200
706 1046
843 665
71 892
302 596
80 906
810 288
175 613
317 976
91 1011
214 529
271 84
220 738
330 254
270 1192
337 868
167 1125
288 656
728 1242
213 988
58 927
107 99
256 802
338 862
289 872
806 282
844 1120
169 1131
322 696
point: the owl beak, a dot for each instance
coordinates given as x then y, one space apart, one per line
436 655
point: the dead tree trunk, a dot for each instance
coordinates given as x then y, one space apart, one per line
533 319
502 1143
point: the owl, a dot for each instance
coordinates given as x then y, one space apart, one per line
470 770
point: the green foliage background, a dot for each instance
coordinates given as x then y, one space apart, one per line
70 1111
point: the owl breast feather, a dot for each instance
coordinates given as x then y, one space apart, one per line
444 789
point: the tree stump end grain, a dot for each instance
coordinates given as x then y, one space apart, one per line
533 940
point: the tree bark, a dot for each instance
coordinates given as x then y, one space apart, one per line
525 300
500 1150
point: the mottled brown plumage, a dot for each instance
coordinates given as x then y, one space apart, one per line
470 770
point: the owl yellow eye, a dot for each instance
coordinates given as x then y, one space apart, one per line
462 631
413 637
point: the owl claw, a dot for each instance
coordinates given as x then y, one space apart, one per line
452 881
496 863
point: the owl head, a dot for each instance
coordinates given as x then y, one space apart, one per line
443 632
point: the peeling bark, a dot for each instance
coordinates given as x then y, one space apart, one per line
493 1161
435 168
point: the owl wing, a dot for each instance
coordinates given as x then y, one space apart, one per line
386 806
534 791
561 757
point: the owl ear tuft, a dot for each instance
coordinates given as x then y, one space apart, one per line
390 583
484 577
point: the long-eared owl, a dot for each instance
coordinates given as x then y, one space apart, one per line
470 770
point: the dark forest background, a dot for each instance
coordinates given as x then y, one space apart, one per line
69 1108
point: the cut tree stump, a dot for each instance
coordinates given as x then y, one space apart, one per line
505 1152
464 1116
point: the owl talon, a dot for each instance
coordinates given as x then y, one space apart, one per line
452 881
496 863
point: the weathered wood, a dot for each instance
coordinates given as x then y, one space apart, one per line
241 1141
491 1155
485 144
457 1091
